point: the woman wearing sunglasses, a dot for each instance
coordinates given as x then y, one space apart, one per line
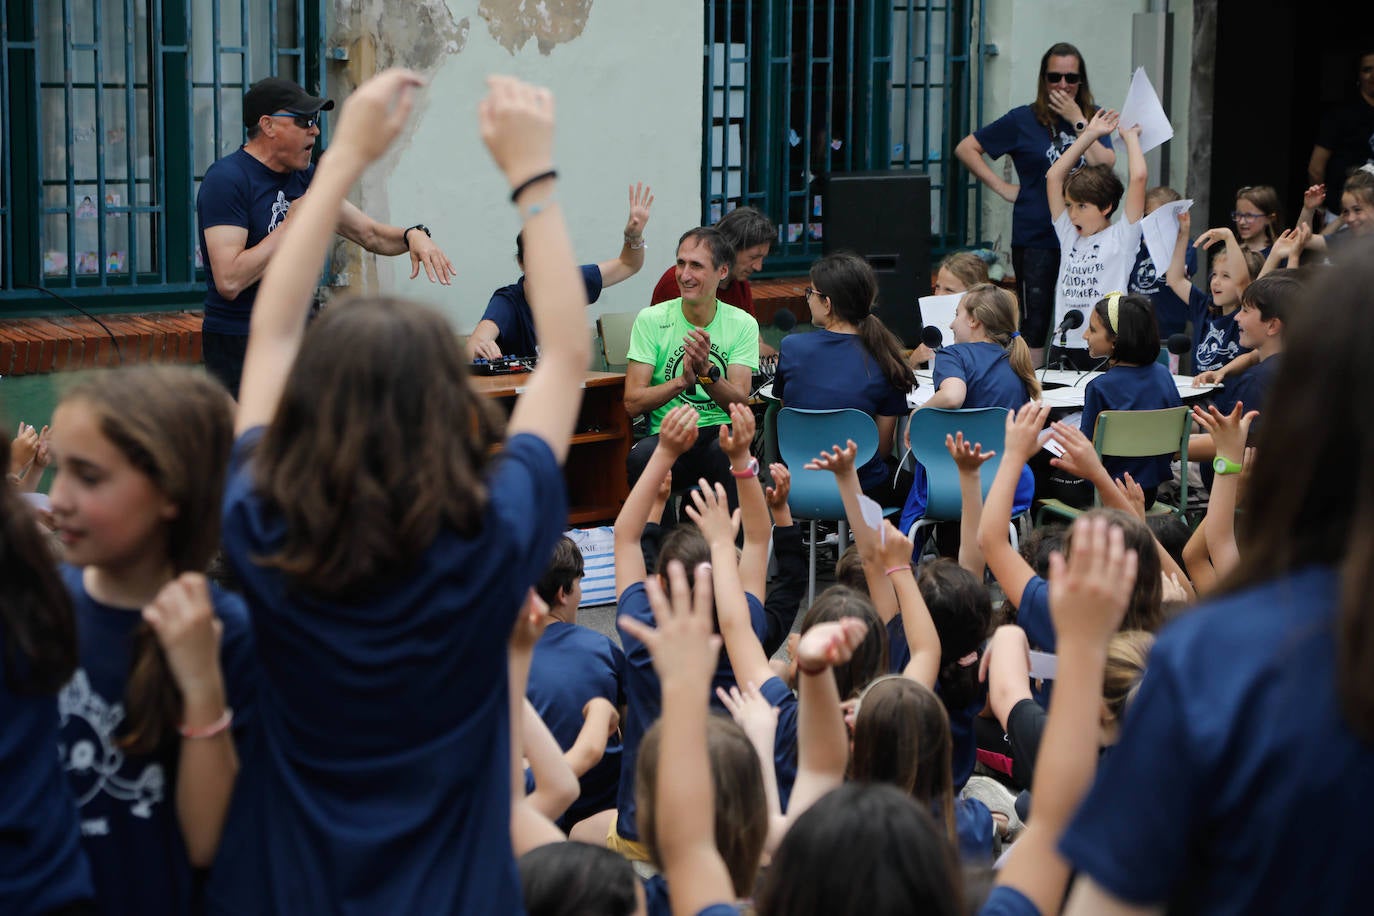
1035 135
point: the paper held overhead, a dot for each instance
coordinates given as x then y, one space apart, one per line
1143 107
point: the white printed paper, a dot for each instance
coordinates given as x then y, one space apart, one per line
872 514
1143 107
939 312
1160 230
1043 665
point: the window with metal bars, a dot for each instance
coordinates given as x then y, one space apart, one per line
799 90
112 111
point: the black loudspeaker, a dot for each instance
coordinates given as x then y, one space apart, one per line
885 217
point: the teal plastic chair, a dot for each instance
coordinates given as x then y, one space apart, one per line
929 426
1136 434
804 434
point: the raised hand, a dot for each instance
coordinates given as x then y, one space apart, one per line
736 438
1130 134
641 200
1023 431
750 710
711 513
516 123
1103 122
1080 458
184 622
1213 236
1185 223
1132 493
1229 431
374 115
838 460
828 644
1314 197
1089 592
782 486
967 457
683 648
678 431
23 448
896 547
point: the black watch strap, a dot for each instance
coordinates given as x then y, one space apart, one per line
405 236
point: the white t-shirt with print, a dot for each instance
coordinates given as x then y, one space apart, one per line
1090 267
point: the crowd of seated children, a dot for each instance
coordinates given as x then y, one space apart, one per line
399 712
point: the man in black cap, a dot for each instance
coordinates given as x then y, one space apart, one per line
246 196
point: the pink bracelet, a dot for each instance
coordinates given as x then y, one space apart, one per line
894 569
209 731
750 470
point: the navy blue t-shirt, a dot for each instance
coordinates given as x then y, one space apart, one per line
1249 388
42 865
127 802
1132 388
510 311
1216 338
823 370
384 781
1237 771
1148 280
643 701
238 190
784 701
963 741
1033 148
1008 901
1033 616
573 665
986 371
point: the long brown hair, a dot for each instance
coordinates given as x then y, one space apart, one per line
869 658
901 737
741 815
1146 610
996 310
1041 106
1315 469
37 627
377 443
849 283
175 426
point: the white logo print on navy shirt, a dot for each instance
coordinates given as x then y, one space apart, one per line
279 208
93 760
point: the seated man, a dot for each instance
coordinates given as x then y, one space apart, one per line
507 326
693 349
751 235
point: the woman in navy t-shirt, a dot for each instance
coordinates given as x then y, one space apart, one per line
850 360
1035 136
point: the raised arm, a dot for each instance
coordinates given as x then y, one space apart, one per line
1103 122
921 635
840 462
371 119
1088 599
1010 569
1138 174
969 458
759 718
1229 432
1176 275
182 618
631 257
517 126
735 440
676 434
684 654
1235 255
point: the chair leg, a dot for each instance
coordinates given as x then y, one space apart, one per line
811 572
841 540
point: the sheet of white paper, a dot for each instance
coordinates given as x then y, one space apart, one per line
919 395
1160 230
938 311
38 501
1143 107
1043 665
872 514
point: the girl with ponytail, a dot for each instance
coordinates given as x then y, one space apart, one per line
145 722
850 360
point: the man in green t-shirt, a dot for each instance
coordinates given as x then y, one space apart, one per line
694 350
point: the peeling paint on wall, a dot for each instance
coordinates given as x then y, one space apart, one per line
550 22
375 36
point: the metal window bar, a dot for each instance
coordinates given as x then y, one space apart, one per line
63 131
831 86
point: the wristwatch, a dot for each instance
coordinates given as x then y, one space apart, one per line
1225 465
1079 126
405 236
710 377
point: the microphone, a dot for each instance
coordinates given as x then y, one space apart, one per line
931 337
784 320
1178 344
1072 319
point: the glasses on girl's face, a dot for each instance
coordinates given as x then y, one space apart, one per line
1246 217
304 122
1070 78
812 291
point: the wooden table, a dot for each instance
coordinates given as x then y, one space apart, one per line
595 467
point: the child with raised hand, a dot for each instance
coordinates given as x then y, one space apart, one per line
384 581
1229 434
1097 254
29 457
788 587
1216 338
43 870
145 720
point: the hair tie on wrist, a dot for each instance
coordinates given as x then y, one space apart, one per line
894 569
968 660
523 186
209 731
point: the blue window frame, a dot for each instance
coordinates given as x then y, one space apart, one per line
112 110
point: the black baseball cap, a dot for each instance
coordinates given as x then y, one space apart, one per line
274 94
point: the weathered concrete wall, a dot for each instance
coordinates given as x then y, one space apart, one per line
627 80
1023 29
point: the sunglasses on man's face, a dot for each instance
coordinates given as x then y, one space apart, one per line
1070 78
304 122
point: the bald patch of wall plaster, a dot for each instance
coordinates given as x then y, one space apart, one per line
550 22
375 36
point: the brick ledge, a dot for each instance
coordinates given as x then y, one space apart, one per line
30 346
